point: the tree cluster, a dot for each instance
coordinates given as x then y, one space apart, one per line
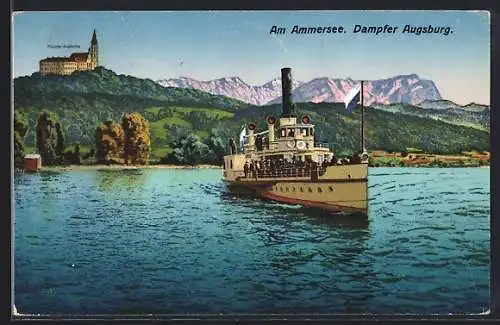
128 142
137 139
50 138
189 149
20 130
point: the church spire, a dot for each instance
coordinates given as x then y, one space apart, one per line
94 39
93 52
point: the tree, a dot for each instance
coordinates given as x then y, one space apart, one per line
76 157
49 138
20 130
217 149
176 133
20 123
165 112
18 148
137 138
188 150
109 140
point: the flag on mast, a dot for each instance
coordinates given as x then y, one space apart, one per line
351 100
243 134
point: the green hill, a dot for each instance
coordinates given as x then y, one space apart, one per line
383 130
104 81
85 99
473 115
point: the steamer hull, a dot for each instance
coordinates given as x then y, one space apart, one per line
339 189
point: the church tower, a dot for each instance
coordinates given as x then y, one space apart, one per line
93 52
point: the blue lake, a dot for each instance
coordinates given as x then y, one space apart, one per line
176 241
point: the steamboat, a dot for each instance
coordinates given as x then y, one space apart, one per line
284 163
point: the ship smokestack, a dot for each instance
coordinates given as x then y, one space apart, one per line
286 93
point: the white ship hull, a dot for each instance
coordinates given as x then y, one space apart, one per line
342 188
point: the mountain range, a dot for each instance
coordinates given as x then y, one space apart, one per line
84 99
406 89
448 104
233 87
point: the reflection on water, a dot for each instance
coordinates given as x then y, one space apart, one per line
288 212
177 241
109 179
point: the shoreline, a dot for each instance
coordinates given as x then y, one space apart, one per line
426 166
126 167
131 167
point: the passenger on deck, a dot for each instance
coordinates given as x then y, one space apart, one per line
323 165
245 169
355 159
232 146
258 143
252 169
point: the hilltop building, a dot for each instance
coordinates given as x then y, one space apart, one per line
80 61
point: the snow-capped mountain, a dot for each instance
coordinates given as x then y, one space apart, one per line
407 89
232 87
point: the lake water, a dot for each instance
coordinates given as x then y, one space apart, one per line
175 241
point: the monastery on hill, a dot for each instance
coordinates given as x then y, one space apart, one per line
80 61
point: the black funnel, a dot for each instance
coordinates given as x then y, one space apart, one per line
286 93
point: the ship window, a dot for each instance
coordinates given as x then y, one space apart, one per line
293 189
281 189
301 189
287 189
304 131
291 133
320 190
231 164
310 189
283 132
330 188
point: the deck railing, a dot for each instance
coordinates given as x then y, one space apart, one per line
321 145
285 172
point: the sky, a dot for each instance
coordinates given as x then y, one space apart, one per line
206 45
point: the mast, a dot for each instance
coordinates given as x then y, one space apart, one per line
362 120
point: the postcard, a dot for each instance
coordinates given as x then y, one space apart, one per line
251 162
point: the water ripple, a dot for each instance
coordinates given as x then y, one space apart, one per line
177 241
